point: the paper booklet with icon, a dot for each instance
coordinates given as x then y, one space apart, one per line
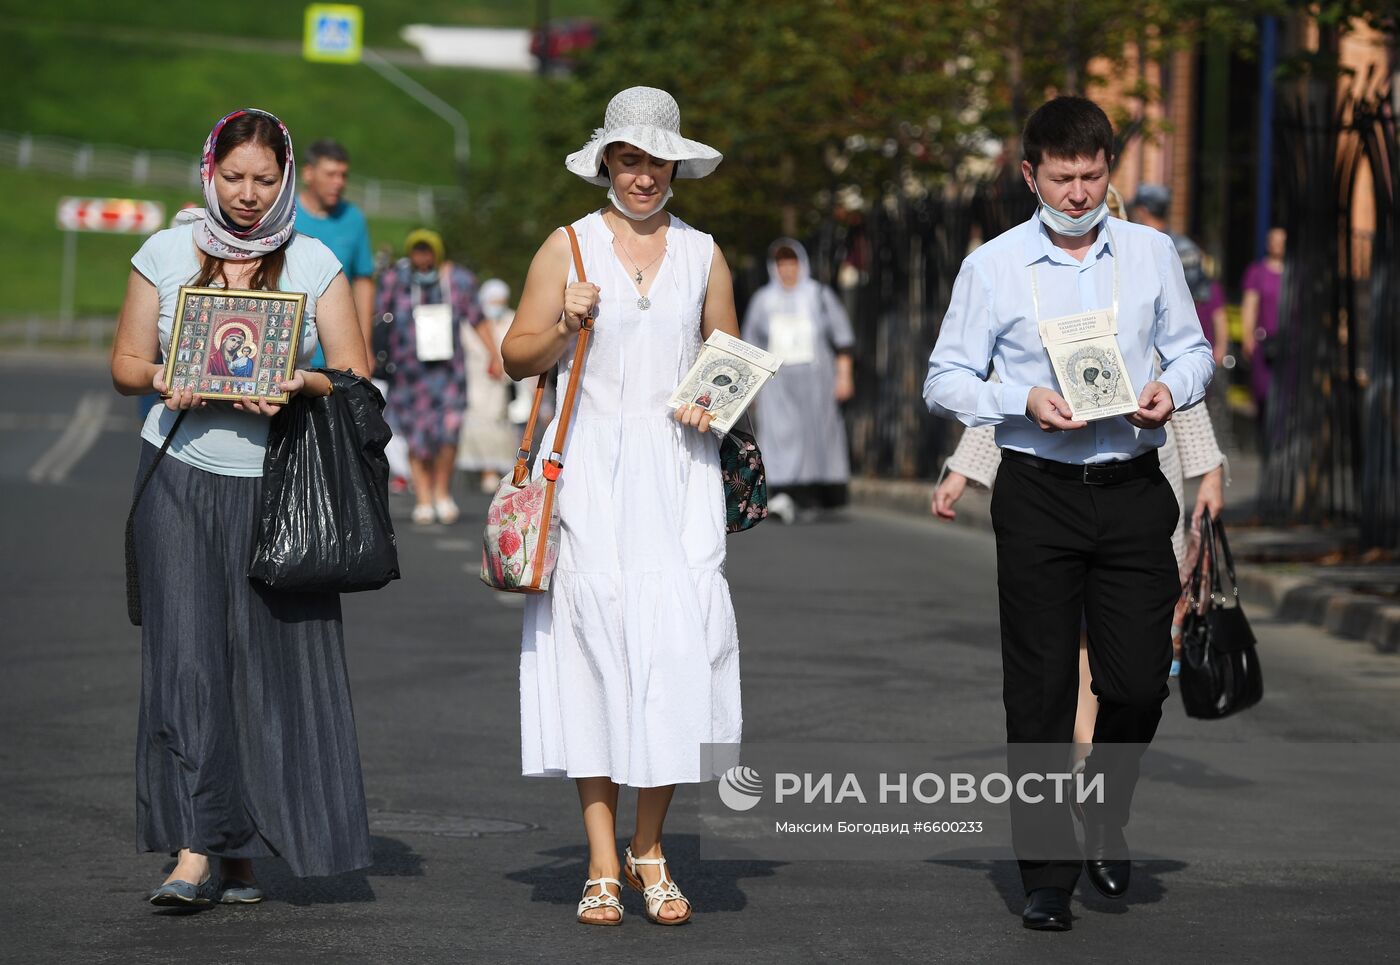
724 379
1088 364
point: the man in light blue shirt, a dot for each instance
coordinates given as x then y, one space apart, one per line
1083 515
324 215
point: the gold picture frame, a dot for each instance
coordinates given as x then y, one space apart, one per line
232 343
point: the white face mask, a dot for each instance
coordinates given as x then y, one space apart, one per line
624 210
1063 224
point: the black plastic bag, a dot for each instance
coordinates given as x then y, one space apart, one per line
324 526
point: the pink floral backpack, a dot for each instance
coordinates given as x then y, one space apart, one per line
521 543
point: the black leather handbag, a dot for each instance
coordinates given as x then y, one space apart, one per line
1220 672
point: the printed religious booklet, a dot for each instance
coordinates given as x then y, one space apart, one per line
1088 365
724 379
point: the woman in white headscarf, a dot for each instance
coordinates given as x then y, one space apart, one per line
488 442
801 321
630 663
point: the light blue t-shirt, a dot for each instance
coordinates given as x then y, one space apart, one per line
218 438
345 232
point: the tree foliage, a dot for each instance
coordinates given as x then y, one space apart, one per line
808 97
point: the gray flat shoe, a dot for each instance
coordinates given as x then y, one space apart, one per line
235 892
182 894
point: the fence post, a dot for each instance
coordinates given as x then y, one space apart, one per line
140 167
425 204
70 280
26 151
82 161
372 196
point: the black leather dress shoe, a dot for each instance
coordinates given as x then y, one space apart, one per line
1047 909
1106 859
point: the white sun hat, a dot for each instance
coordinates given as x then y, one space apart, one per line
650 119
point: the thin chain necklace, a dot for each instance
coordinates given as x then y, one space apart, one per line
643 302
637 277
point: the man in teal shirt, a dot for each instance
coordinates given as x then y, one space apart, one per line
339 225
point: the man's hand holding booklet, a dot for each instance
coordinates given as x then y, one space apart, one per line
725 378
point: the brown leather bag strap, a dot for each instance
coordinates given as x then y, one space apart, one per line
522 456
555 464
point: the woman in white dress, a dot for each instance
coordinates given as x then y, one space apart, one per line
488 440
802 321
630 663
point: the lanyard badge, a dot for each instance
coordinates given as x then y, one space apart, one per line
1083 350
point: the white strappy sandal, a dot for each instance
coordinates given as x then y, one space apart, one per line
658 894
603 899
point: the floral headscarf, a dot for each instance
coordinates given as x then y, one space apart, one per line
214 234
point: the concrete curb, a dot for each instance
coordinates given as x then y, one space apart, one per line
1286 589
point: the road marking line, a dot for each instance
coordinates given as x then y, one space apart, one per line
58 421
88 422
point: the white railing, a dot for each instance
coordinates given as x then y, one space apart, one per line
109 162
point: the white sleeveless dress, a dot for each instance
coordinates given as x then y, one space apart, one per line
631 661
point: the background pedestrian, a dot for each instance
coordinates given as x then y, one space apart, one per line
488 443
428 299
324 214
801 321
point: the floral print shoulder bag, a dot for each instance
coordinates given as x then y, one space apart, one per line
521 543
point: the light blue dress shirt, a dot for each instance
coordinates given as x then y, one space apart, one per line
991 325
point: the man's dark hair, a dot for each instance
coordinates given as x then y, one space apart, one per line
1067 127
327 149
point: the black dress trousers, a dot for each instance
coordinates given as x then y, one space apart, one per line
1072 555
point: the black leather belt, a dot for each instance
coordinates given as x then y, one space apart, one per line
1089 473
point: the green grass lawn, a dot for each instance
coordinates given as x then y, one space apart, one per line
141 94
34 260
383 18
112 72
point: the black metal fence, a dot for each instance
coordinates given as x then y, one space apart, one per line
902 257
1333 415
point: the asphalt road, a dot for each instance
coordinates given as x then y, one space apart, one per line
874 628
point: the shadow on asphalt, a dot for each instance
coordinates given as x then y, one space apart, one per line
712 885
1147 888
392 859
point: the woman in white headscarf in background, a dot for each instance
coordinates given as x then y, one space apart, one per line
801 321
488 441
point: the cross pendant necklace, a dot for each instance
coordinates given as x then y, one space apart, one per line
637 278
643 302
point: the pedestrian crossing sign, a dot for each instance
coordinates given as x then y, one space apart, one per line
333 33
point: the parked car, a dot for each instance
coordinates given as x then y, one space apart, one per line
558 43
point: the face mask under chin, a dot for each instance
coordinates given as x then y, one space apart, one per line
1063 224
622 209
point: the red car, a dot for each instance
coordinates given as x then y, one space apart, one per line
558 43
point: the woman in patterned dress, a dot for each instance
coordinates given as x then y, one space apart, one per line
427 395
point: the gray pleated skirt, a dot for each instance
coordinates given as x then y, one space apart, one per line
246 743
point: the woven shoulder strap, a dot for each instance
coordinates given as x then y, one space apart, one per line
555 463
